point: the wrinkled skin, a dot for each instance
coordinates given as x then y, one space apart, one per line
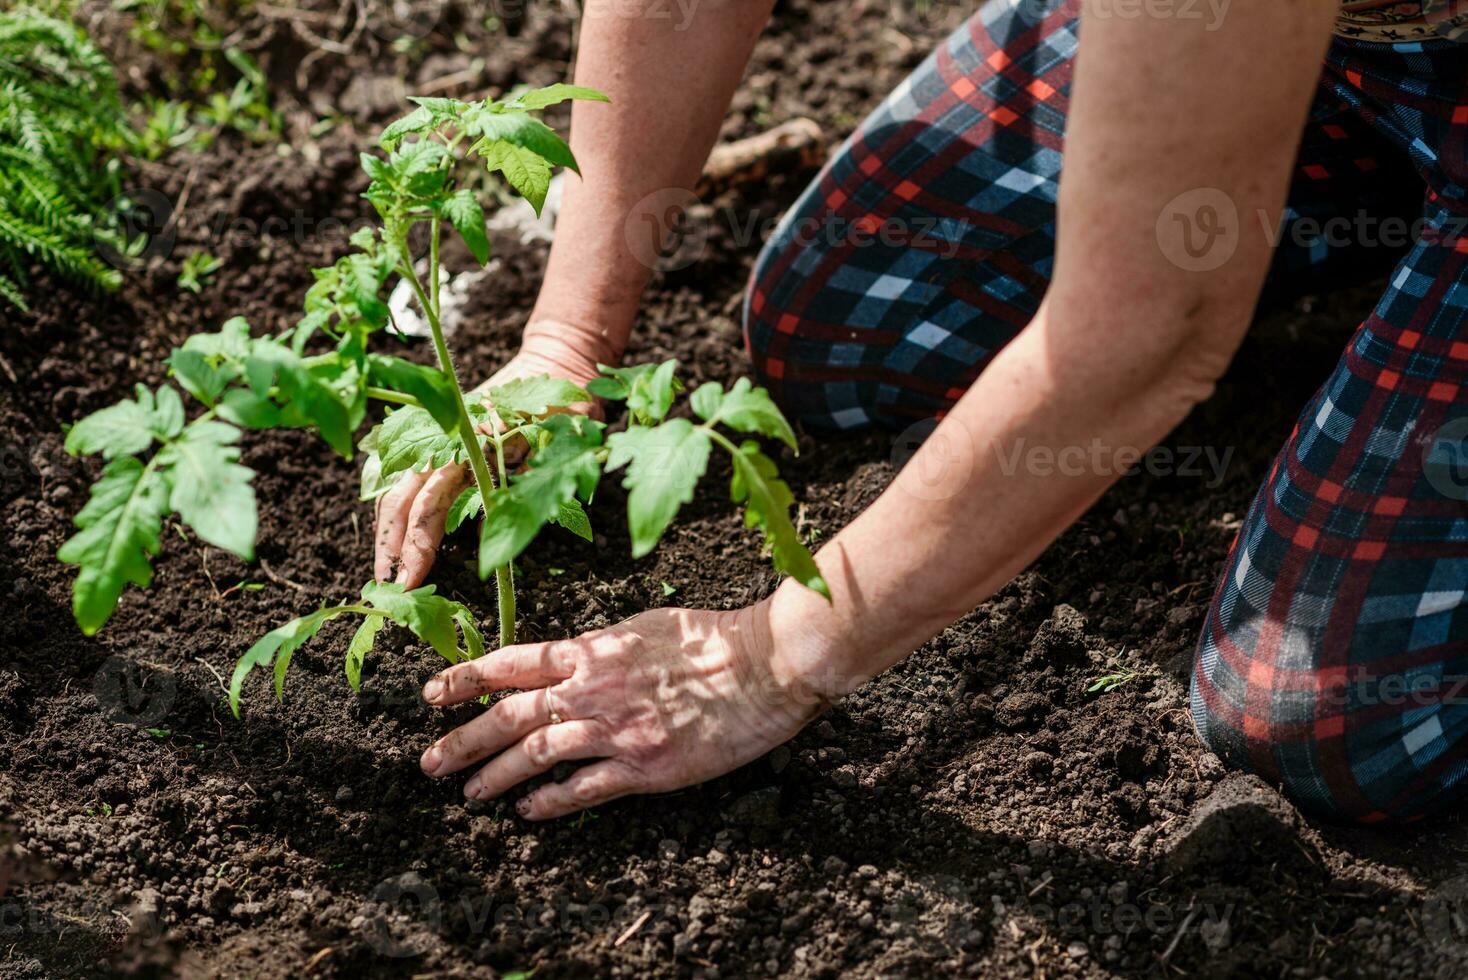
666 699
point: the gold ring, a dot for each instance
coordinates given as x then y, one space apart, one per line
550 709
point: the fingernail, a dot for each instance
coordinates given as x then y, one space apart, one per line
431 760
433 690
522 806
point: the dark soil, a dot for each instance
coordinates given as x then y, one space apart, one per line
975 811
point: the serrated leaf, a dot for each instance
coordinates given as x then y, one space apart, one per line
464 213
418 121
533 397
564 467
209 489
746 408
117 430
767 499
118 533
541 98
664 464
410 440
525 170
311 398
436 390
573 518
418 167
521 130
168 413
362 642
277 646
465 507
230 343
648 389
199 377
363 283
432 618
706 399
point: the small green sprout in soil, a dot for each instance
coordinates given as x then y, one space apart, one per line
1119 676
198 271
160 463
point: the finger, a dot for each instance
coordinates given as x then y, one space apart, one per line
587 787
524 665
534 754
502 725
393 509
424 527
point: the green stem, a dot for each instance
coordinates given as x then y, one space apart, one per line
396 397
504 578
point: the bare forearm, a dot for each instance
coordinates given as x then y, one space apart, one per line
1131 335
670 74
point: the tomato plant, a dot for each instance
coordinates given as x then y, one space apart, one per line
160 462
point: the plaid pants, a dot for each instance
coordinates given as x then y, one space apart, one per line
1335 657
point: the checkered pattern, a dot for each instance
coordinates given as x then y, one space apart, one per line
1335 658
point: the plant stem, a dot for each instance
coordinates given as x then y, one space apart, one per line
396 397
504 576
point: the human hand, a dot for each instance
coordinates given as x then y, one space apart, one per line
410 517
666 699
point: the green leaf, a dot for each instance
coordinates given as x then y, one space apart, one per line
231 343
767 500
746 408
117 430
436 390
118 533
432 618
666 464
464 213
532 397
648 389
418 121
419 167
209 489
312 397
245 408
565 466
706 399
199 377
525 170
363 282
361 645
278 646
541 98
410 439
521 130
573 518
466 507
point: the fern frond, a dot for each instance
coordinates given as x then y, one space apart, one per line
60 121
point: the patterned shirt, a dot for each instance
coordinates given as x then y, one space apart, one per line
1403 21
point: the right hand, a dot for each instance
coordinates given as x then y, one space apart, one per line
410 516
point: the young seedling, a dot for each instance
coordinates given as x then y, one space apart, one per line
159 462
198 271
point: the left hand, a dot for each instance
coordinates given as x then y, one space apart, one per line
668 698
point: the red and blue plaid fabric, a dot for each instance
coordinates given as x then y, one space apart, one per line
926 244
